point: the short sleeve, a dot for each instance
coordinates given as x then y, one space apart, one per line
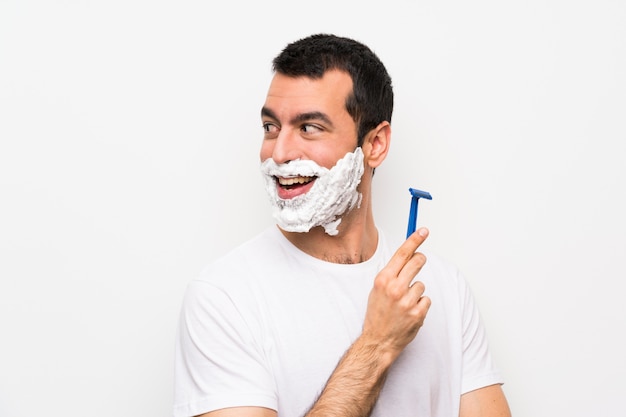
219 360
479 369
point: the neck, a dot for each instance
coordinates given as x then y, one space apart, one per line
356 241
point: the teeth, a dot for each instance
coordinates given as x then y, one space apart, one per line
294 180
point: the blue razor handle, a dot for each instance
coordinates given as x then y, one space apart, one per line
415 196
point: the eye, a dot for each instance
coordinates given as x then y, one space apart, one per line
309 128
270 129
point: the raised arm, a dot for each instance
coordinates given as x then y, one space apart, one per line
396 310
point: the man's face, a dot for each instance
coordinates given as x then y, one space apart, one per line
309 139
306 119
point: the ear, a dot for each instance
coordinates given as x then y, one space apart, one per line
376 145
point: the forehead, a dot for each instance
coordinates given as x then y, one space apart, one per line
298 94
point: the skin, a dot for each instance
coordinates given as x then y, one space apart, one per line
324 137
306 118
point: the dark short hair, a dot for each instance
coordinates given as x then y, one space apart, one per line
371 101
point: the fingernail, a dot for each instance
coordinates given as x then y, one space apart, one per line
423 232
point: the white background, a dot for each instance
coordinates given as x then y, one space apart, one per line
129 154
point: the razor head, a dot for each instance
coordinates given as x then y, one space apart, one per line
420 194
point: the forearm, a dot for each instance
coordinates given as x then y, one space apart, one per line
353 388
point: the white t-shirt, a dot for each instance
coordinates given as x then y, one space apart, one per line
267 324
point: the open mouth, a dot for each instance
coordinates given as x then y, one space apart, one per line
290 187
294 182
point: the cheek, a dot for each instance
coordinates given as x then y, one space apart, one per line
328 159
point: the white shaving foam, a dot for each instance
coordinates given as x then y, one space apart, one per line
333 194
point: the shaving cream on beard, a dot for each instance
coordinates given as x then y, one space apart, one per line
333 194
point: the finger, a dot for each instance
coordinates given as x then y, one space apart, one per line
406 251
422 307
411 269
417 289
415 292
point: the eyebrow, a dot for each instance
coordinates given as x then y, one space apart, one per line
265 112
299 118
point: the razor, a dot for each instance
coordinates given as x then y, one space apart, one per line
415 196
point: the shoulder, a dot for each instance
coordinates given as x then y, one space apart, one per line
244 275
230 285
445 284
252 255
442 270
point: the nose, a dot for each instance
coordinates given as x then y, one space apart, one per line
285 147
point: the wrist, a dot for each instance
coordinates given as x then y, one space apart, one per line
379 356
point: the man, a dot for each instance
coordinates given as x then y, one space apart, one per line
319 316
